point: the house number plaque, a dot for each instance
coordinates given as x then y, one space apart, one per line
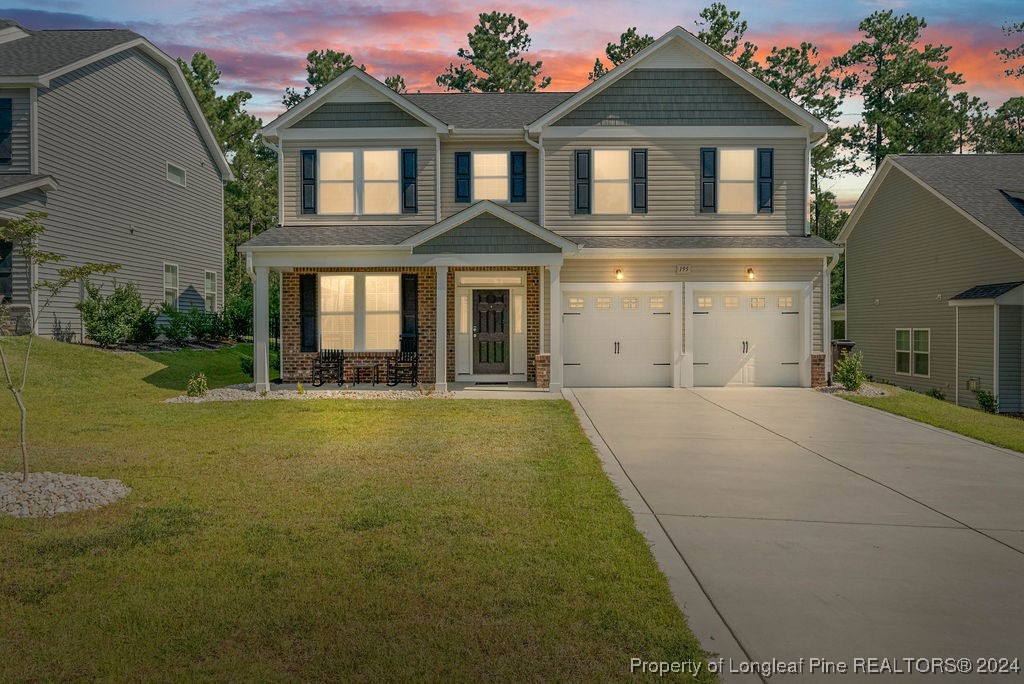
682 268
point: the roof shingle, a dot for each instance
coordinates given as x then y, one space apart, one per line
41 52
988 291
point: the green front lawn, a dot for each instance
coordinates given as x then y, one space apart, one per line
1003 431
322 540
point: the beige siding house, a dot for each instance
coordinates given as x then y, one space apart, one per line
648 230
935 275
106 138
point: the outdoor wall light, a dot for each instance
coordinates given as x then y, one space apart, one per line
618 274
750 274
973 384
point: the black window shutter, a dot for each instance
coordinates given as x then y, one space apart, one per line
639 179
308 181
307 312
409 181
708 179
765 180
6 129
463 177
517 177
582 181
410 303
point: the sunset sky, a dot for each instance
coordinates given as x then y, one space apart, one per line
261 46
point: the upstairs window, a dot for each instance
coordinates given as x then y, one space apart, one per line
176 175
490 176
355 182
494 176
171 285
737 180
611 181
210 294
6 129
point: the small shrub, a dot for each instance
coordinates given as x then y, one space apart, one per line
196 386
987 401
237 317
145 329
203 326
850 371
176 329
299 388
109 320
936 393
245 363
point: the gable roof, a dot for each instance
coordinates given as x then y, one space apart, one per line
500 213
988 291
17 183
323 95
680 36
987 189
488 110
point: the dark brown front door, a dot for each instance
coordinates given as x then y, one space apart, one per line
490 332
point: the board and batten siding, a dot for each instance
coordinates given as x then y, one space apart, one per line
527 209
728 272
1011 332
908 255
675 97
426 188
107 132
21 137
673 166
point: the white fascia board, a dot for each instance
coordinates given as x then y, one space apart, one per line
23 81
971 302
702 132
273 129
158 55
343 134
47 184
323 257
499 212
709 253
484 133
726 66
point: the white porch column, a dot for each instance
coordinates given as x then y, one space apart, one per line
261 329
441 325
555 297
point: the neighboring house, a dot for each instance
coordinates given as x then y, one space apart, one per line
649 230
99 130
935 275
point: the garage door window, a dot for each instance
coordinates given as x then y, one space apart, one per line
630 302
785 302
757 302
657 302
603 303
576 303
704 302
731 302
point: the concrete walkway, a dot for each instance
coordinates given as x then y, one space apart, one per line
812 527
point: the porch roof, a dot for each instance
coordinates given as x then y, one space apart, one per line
995 293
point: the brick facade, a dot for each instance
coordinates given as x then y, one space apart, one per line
296 365
818 377
543 371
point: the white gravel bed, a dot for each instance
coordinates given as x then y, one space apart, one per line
247 393
866 390
48 494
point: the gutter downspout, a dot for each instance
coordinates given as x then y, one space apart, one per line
539 146
826 296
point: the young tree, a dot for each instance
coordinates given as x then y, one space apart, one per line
1012 57
905 87
630 43
24 234
723 31
322 67
396 83
493 62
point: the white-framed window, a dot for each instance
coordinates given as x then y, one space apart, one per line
757 302
611 182
704 302
656 302
358 182
785 302
913 351
737 180
490 176
576 303
210 293
603 303
631 302
360 312
731 302
171 285
176 174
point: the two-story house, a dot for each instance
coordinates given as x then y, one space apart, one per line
100 131
648 230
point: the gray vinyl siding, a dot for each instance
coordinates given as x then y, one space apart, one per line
357 115
33 201
426 184
528 209
725 271
21 160
1011 330
107 132
908 255
675 97
486 235
976 346
673 167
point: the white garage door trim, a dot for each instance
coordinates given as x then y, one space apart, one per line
676 290
807 316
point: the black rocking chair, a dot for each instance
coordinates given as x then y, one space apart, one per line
403 366
329 364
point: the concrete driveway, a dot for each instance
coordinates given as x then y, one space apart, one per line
816 528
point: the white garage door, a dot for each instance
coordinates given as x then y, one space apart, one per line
615 339
743 338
